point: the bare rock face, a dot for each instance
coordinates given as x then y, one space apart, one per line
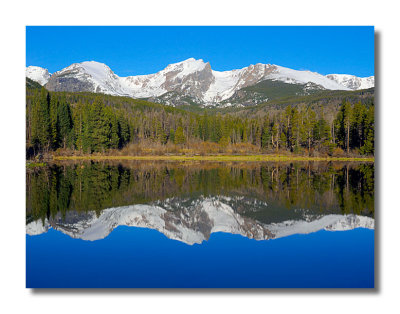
256 73
193 84
61 83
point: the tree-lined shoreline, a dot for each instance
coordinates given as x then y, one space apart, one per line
212 158
84 125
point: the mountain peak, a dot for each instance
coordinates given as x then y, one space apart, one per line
191 60
91 67
96 69
87 76
187 66
37 74
94 64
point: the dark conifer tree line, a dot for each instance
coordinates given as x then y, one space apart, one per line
96 123
53 123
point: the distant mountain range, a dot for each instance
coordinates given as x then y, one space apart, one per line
193 221
194 82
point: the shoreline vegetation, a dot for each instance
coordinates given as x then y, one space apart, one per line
221 158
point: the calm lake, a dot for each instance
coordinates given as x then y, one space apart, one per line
204 224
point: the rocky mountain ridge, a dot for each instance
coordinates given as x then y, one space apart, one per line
189 81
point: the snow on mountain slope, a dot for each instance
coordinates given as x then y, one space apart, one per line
329 222
143 86
196 79
186 67
194 222
37 74
190 78
88 76
353 82
223 85
226 83
302 77
37 227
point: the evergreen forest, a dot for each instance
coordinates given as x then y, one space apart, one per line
86 123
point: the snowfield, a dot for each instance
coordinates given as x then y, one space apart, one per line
353 82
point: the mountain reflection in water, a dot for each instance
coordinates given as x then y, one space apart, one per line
189 202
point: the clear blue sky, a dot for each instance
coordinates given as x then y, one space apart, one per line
145 50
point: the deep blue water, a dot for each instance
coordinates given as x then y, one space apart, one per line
139 257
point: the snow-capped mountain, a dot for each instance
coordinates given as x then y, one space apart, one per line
193 79
37 74
87 76
193 222
353 82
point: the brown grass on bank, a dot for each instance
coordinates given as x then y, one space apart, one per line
204 149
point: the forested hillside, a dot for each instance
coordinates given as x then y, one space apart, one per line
30 84
85 123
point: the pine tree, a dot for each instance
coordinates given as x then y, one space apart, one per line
369 130
347 120
342 125
295 134
54 122
171 137
99 126
244 135
34 121
275 135
64 121
265 134
257 134
41 135
160 133
357 128
113 128
179 136
124 131
78 126
204 127
309 124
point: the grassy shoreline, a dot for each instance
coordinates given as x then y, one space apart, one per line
215 158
